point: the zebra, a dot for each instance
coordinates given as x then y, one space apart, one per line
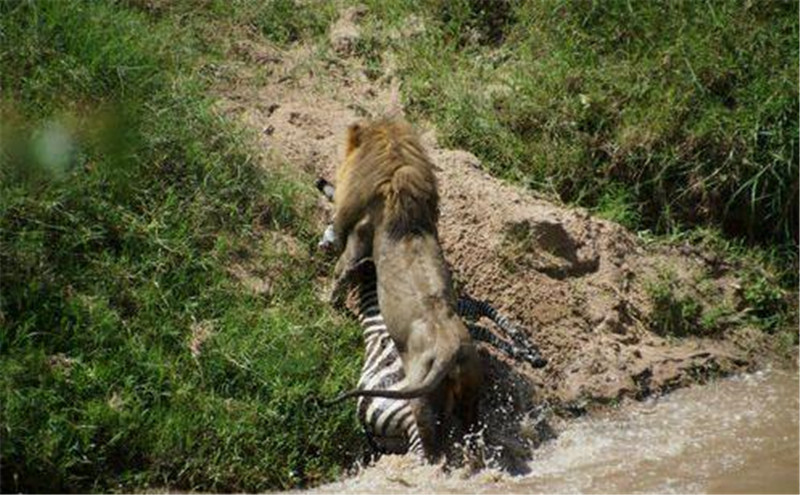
389 424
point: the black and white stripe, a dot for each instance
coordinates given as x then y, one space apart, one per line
524 350
390 424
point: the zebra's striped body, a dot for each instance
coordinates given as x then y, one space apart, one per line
390 424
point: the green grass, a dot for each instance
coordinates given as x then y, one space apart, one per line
663 115
764 295
675 314
213 22
768 295
130 357
671 118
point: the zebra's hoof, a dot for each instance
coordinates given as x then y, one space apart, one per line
536 361
328 241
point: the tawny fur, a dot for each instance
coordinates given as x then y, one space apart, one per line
386 164
386 204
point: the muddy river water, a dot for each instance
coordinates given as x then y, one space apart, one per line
734 435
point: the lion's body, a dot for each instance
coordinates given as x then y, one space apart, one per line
390 424
386 203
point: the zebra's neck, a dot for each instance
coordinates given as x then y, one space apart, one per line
369 312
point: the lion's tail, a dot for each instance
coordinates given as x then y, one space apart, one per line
436 373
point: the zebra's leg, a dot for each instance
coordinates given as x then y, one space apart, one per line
356 253
325 187
373 446
483 334
415 441
328 241
473 309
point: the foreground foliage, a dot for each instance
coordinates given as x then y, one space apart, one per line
129 354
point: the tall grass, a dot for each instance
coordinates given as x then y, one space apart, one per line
130 357
684 113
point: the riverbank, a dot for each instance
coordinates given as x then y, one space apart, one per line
160 305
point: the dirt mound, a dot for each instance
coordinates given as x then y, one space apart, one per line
581 286
578 283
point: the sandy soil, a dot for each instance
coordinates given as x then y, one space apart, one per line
576 283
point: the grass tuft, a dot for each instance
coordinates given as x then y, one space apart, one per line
673 314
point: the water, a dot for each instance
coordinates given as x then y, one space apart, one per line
736 435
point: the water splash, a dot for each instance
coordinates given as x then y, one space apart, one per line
733 435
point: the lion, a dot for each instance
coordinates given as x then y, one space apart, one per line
386 206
